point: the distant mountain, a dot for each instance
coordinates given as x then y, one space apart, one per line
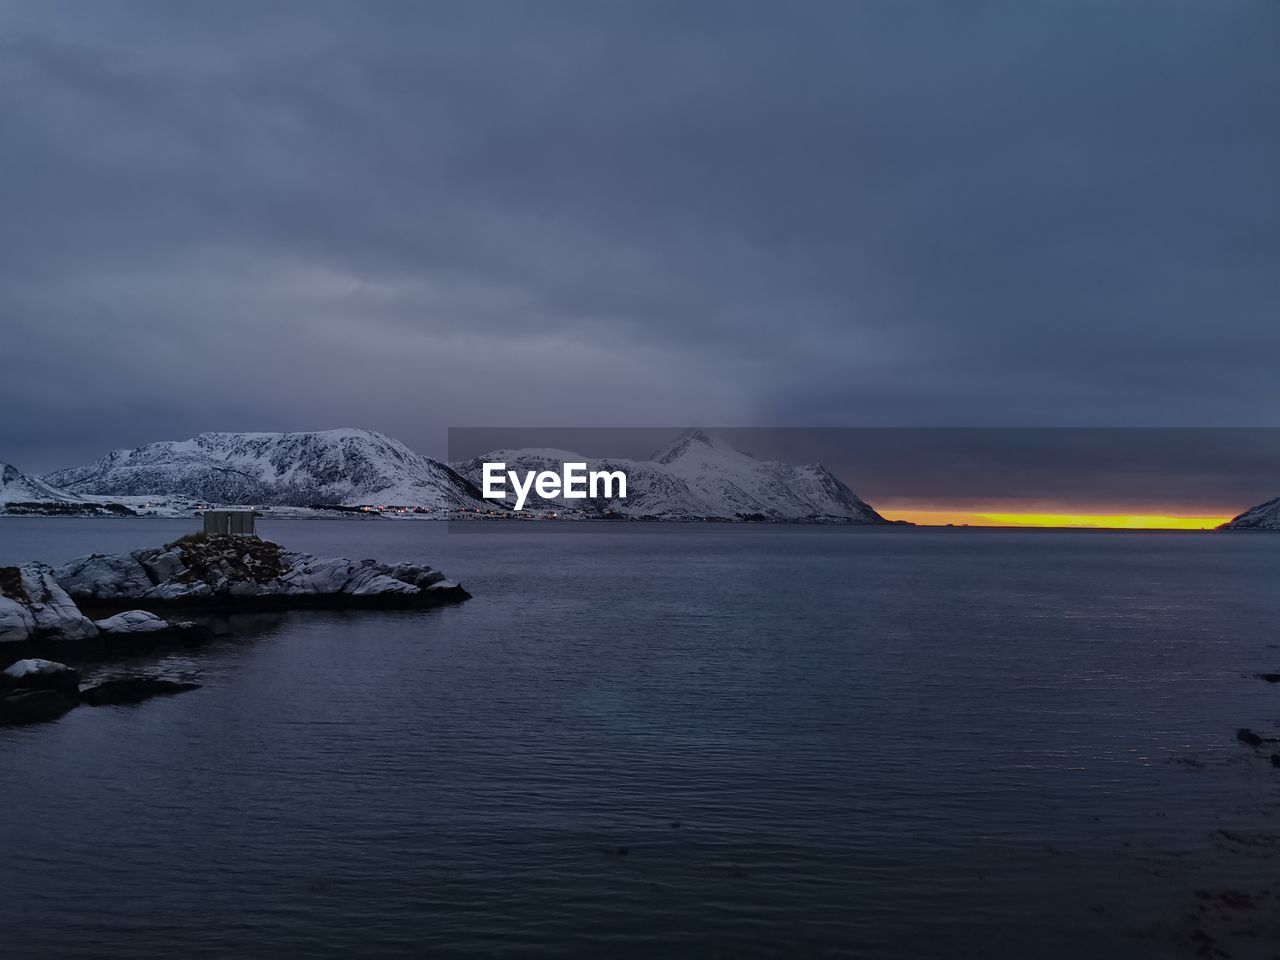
17 487
21 495
651 491
1265 516
723 477
347 467
696 477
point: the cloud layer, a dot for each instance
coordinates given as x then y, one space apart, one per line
411 216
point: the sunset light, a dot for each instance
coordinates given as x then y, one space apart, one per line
1095 521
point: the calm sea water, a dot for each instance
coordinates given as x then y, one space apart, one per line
668 741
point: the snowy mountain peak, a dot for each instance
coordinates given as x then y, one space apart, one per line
700 476
692 443
17 487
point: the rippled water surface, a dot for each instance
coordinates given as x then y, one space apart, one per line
668 741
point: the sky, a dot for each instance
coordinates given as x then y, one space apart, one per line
416 216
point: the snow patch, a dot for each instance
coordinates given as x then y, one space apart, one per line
133 621
33 667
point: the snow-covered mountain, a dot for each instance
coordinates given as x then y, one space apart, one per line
17 487
348 467
651 491
21 495
1265 516
721 476
698 476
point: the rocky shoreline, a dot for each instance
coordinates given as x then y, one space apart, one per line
34 690
105 605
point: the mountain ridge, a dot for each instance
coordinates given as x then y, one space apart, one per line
1264 516
26 496
17 487
699 477
695 477
345 466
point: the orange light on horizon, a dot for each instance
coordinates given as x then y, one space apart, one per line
1107 521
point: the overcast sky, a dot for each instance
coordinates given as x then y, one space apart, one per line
289 216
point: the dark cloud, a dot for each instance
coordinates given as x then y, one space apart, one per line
410 215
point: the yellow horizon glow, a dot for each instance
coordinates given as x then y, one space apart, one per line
1104 521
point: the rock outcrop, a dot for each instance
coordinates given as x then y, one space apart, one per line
43 610
35 690
37 616
33 706
37 674
34 607
232 572
136 630
133 690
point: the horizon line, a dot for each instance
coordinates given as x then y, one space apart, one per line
1064 521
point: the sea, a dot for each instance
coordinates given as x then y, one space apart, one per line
676 740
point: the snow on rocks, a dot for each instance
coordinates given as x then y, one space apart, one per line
38 674
30 668
136 630
98 577
133 621
38 616
33 606
412 573
40 606
234 571
32 690
16 622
